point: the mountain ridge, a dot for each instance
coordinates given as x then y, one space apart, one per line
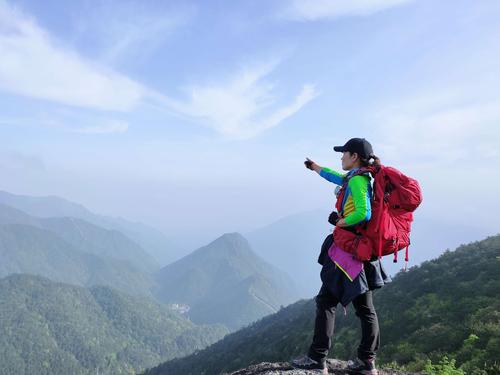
155 242
220 273
85 236
28 249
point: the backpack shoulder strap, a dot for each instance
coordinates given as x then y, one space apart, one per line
364 171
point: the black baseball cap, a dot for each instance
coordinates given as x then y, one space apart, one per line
359 145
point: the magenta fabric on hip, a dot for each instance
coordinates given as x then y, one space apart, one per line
345 261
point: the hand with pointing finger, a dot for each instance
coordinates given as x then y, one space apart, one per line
311 165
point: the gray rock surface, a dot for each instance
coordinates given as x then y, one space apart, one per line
335 366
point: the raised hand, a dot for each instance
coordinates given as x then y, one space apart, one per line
310 164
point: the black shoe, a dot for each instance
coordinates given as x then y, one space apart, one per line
307 363
362 367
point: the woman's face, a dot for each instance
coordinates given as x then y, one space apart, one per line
348 160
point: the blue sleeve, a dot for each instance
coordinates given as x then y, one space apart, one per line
332 176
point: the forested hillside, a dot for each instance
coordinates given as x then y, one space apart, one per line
449 306
58 329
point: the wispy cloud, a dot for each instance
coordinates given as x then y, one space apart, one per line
33 65
441 129
311 10
243 106
450 145
129 30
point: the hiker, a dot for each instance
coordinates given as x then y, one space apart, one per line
340 284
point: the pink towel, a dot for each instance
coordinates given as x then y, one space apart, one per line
345 261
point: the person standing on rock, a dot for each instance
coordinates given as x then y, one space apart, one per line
346 279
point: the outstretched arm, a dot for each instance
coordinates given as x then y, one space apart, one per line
326 173
331 175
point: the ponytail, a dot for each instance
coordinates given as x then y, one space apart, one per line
376 161
367 163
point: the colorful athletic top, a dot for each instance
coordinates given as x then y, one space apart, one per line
356 206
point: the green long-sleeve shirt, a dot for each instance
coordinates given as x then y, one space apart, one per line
356 206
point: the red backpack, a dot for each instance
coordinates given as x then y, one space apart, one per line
395 197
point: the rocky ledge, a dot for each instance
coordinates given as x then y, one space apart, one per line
335 367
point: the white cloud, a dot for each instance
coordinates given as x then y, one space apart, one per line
434 133
244 106
33 65
142 35
130 31
448 140
311 10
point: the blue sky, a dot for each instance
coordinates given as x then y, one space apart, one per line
199 114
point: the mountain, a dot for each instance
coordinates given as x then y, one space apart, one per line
293 244
85 236
449 306
225 282
59 329
150 239
34 250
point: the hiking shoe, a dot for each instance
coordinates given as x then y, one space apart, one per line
307 363
362 367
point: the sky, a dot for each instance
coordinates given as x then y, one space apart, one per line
196 116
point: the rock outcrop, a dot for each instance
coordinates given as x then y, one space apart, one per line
335 366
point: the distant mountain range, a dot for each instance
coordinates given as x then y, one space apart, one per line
232 281
225 282
49 327
60 329
150 239
293 244
447 306
28 249
290 243
85 237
